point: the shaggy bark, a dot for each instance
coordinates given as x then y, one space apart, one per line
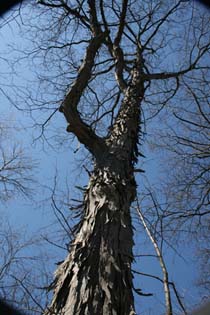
136 40
96 276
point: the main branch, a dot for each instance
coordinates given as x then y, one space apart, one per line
69 106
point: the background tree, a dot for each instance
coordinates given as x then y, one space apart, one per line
16 181
185 191
15 168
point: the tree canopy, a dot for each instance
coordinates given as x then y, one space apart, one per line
131 80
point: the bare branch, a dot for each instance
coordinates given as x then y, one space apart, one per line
69 106
121 23
162 263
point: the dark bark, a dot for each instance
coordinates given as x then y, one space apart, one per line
96 276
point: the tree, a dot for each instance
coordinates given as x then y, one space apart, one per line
15 168
23 273
185 190
15 180
126 74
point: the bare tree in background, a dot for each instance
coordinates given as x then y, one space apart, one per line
15 166
189 149
15 180
119 65
23 273
186 189
14 173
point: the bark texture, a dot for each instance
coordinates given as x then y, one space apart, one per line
96 276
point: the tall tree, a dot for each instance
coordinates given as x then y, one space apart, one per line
124 42
123 63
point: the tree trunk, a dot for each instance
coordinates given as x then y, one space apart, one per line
96 276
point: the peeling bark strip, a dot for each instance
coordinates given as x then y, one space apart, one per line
96 276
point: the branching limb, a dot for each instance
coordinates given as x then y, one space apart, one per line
121 24
69 107
117 50
95 26
83 19
169 75
114 48
161 22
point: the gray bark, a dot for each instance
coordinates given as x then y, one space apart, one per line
96 276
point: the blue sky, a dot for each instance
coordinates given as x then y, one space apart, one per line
36 214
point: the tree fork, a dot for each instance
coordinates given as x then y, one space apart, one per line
96 276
